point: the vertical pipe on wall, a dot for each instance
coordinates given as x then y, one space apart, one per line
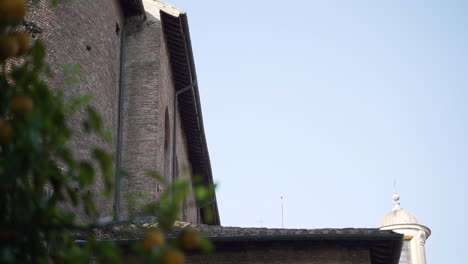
118 160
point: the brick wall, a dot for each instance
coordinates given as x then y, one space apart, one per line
84 32
148 102
285 254
141 112
88 33
280 254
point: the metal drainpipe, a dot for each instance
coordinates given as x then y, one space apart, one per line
174 131
118 160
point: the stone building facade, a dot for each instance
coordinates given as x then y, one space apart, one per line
128 63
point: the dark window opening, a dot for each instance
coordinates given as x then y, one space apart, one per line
117 28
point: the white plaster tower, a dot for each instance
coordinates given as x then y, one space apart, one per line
415 235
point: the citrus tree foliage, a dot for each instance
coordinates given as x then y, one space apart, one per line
39 174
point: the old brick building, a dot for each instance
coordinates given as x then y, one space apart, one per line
140 68
136 57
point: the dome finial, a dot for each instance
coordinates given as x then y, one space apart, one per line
396 197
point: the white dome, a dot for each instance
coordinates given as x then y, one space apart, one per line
398 216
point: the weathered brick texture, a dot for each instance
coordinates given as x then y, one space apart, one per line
88 33
281 254
285 255
141 122
84 33
148 95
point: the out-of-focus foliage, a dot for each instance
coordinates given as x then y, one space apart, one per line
37 169
39 174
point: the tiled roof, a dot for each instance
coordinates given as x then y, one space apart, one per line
384 245
136 231
280 234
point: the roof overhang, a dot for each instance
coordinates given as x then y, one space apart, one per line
176 31
417 227
384 245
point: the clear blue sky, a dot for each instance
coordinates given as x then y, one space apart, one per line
327 102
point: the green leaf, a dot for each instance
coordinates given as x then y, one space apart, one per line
74 102
38 54
105 161
157 176
201 193
73 195
94 121
180 190
206 245
86 176
88 203
107 252
71 72
208 214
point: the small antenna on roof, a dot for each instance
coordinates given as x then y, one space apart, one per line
282 213
394 185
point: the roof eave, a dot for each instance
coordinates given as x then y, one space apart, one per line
184 19
383 248
179 45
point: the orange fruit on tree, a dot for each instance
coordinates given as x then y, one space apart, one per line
6 132
22 39
153 238
14 9
8 46
20 105
173 256
189 239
